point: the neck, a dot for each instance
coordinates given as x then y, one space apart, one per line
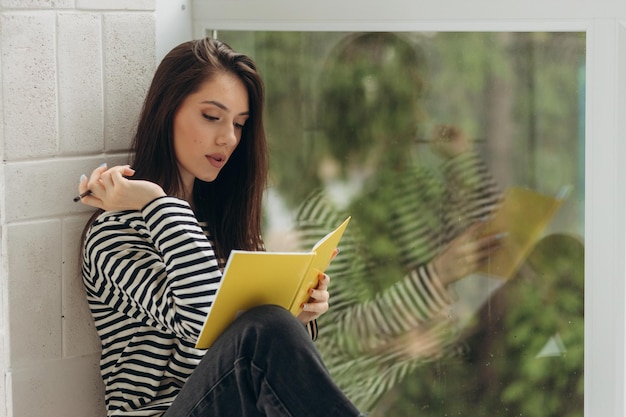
187 194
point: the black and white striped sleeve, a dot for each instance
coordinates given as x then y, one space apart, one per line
156 266
363 322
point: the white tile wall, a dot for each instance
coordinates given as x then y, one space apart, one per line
116 4
79 62
60 388
32 4
128 49
34 292
43 187
29 84
73 75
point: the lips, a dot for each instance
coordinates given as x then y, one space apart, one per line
217 160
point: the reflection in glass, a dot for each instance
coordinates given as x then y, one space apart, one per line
417 136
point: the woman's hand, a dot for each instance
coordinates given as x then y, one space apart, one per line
318 298
318 301
465 254
111 190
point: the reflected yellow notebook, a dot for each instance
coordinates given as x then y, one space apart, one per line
523 215
257 278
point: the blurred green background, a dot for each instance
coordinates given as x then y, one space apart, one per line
520 97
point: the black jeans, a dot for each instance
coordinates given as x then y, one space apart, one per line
264 364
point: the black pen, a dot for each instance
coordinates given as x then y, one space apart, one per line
81 195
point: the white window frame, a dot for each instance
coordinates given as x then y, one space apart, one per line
604 22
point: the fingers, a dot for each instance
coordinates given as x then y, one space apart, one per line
318 298
315 307
102 180
104 177
86 188
323 281
110 189
320 293
473 231
113 177
475 237
114 174
491 241
94 178
82 184
481 249
83 190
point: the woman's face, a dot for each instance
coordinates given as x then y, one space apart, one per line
208 126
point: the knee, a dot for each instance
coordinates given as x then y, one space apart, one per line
270 322
269 317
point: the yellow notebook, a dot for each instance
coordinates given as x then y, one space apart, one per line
522 216
257 278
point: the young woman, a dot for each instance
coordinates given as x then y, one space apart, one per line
153 256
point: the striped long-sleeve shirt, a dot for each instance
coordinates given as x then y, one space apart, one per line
151 277
371 340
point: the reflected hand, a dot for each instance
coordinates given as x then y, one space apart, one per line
111 190
449 141
465 254
423 342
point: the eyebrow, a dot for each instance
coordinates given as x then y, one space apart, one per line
223 107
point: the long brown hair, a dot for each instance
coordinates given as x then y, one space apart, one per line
231 204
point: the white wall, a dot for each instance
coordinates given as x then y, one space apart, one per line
73 77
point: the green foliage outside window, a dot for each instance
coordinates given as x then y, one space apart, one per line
518 95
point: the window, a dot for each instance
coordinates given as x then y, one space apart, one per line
605 127
350 116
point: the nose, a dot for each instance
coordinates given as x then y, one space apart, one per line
227 136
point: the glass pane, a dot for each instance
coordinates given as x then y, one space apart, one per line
420 137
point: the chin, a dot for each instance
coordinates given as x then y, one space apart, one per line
208 177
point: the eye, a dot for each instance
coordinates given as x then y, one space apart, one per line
240 122
209 117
